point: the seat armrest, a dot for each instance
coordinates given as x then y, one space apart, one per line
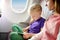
24 24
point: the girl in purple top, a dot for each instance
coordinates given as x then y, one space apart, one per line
37 22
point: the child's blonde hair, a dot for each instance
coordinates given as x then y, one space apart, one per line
34 7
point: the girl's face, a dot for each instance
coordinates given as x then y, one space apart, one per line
50 4
35 14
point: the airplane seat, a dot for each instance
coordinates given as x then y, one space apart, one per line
25 24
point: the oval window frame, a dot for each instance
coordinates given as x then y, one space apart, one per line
22 11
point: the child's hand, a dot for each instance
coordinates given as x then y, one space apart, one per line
25 30
26 35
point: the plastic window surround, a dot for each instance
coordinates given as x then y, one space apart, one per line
16 11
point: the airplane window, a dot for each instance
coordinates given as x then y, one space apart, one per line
19 5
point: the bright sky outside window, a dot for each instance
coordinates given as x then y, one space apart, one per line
19 4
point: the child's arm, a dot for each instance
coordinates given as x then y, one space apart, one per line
26 29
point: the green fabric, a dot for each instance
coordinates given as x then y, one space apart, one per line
15 36
17 33
16 28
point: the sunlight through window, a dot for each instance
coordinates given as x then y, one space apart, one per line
19 4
